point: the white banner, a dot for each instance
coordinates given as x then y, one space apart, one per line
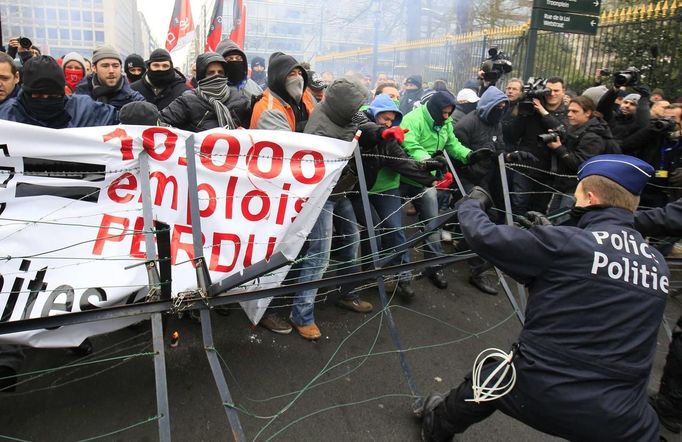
71 223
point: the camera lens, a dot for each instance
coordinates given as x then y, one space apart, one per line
25 42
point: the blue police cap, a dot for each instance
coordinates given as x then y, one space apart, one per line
630 172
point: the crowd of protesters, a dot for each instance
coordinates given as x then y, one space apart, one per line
411 133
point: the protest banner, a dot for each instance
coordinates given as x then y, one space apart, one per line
71 222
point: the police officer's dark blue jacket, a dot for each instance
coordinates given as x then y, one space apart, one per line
597 295
122 95
80 111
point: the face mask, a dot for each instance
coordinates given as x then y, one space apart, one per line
235 72
495 116
257 75
73 76
45 109
294 87
161 78
133 78
467 107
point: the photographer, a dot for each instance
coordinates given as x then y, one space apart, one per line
658 143
23 47
587 135
536 116
633 112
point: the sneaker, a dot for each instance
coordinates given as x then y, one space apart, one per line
276 324
310 332
438 279
355 305
405 290
430 403
445 236
669 417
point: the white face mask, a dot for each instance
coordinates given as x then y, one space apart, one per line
294 87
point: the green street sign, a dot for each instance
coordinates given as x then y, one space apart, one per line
588 7
548 20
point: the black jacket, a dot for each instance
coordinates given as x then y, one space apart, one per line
578 145
661 221
161 98
622 126
193 113
589 338
120 98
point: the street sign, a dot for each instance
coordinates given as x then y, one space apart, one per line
548 20
588 7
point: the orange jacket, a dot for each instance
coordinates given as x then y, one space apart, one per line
273 113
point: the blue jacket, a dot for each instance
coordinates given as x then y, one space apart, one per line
383 103
83 111
14 94
596 298
122 97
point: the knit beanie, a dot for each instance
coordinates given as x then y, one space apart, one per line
42 75
73 56
103 52
160 55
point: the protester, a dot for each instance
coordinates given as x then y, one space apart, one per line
412 93
212 104
106 84
583 359
237 68
631 115
258 74
466 103
9 78
283 106
134 67
42 101
74 71
316 86
162 83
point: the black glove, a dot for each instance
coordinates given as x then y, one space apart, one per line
521 155
479 194
479 155
533 219
437 162
642 89
675 177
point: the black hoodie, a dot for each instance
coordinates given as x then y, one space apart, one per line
237 79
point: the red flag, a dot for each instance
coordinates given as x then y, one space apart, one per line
181 27
238 23
215 30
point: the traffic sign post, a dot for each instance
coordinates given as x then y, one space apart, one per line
568 16
548 20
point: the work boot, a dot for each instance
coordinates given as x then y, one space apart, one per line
310 332
428 419
275 324
8 379
355 305
669 416
438 279
483 284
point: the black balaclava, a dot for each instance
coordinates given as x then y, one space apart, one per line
160 79
435 106
134 61
42 75
236 70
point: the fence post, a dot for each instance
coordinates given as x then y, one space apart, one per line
530 53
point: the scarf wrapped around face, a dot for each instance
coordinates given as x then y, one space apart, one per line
216 91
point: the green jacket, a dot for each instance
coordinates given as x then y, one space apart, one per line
421 142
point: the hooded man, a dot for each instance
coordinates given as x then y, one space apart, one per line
74 71
283 106
134 67
162 83
411 94
466 103
42 101
212 104
258 74
106 84
237 68
430 133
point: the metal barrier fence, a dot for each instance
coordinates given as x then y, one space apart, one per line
645 36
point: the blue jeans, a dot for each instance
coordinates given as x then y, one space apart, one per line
389 226
427 209
315 259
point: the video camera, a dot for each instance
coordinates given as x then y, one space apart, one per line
627 77
495 66
534 88
555 135
663 124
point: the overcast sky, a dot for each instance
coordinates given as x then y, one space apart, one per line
158 14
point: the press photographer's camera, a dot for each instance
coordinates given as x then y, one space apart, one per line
628 77
534 88
496 65
663 124
549 137
25 42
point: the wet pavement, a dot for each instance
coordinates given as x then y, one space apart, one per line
347 386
